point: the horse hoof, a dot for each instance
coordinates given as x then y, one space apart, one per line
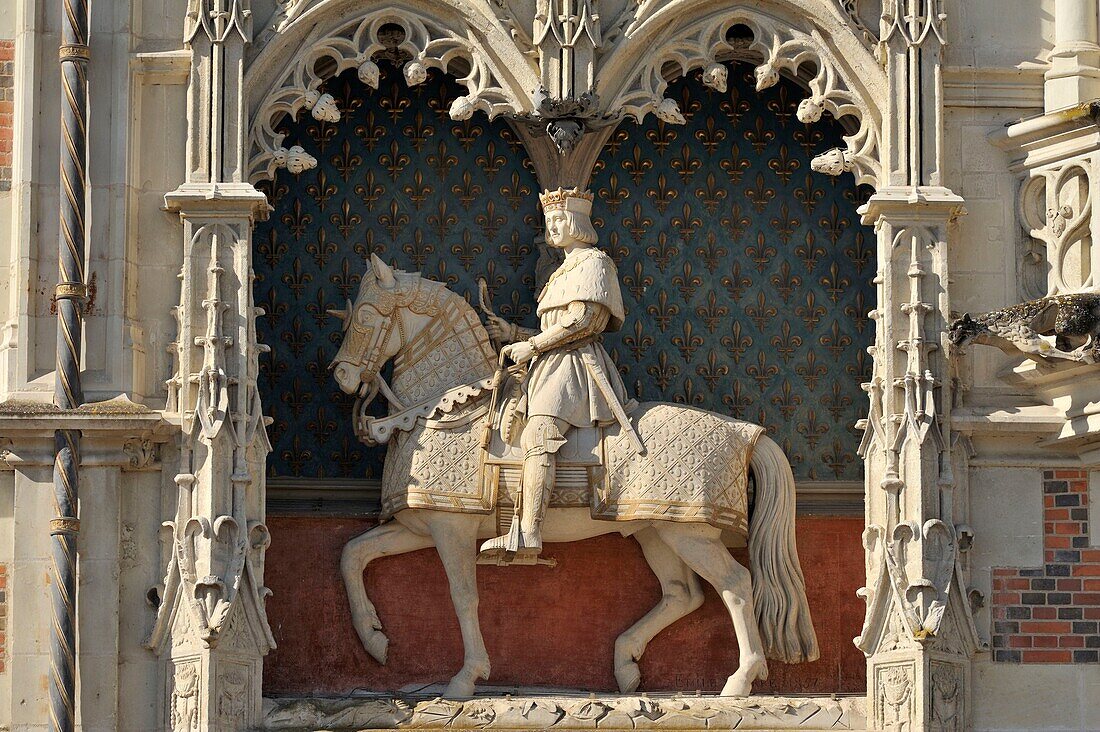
740 684
737 687
629 677
459 688
377 645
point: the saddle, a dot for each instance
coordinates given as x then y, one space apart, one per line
579 472
580 467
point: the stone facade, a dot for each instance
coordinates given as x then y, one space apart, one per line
972 125
7 111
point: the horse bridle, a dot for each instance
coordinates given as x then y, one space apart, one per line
366 348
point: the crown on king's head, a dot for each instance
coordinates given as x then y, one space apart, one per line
567 199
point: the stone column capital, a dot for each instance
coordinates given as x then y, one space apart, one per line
218 200
923 205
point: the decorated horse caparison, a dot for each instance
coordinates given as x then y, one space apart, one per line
447 484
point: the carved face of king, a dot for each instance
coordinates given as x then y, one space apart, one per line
568 229
369 334
557 229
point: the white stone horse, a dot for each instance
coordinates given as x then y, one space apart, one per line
442 359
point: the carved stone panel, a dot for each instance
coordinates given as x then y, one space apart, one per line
895 697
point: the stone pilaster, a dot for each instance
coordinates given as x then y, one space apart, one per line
211 629
1074 74
918 633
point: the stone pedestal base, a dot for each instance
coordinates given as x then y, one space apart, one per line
565 712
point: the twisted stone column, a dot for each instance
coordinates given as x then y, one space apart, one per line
70 296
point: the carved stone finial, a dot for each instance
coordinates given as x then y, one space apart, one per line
832 162
810 109
295 159
322 106
369 73
415 73
462 108
716 77
766 76
669 111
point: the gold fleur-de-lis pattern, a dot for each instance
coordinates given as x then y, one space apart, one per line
747 277
397 177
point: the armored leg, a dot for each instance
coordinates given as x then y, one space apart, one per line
542 438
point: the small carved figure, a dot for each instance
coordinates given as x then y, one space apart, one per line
1072 320
572 380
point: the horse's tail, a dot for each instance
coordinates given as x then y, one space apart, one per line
778 587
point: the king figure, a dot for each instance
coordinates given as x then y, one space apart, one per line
571 380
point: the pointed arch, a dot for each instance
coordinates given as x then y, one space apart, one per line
332 37
799 39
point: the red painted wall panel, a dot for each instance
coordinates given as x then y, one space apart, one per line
546 627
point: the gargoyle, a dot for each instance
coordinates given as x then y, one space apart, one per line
1072 320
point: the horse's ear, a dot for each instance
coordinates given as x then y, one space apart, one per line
382 272
344 315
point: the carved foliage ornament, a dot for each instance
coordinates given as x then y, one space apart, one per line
632 82
426 42
784 49
926 605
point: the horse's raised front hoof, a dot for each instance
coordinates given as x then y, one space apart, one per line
377 644
740 684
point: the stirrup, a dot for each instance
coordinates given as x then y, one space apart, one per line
503 547
515 547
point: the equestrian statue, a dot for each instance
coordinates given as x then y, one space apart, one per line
549 448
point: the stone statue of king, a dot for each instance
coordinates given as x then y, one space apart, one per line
571 380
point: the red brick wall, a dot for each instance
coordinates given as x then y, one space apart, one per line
546 627
1051 614
7 110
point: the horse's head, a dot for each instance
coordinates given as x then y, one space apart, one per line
371 337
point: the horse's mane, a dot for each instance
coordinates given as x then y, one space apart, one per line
458 329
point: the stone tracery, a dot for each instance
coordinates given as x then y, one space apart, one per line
503 76
426 43
778 47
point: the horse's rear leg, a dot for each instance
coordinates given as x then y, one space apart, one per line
681 594
381 541
701 547
455 537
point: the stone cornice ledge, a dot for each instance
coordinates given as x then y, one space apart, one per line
993 88
1066 419
27 431
162 67
1051 137
328 497
565 712
1040 419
